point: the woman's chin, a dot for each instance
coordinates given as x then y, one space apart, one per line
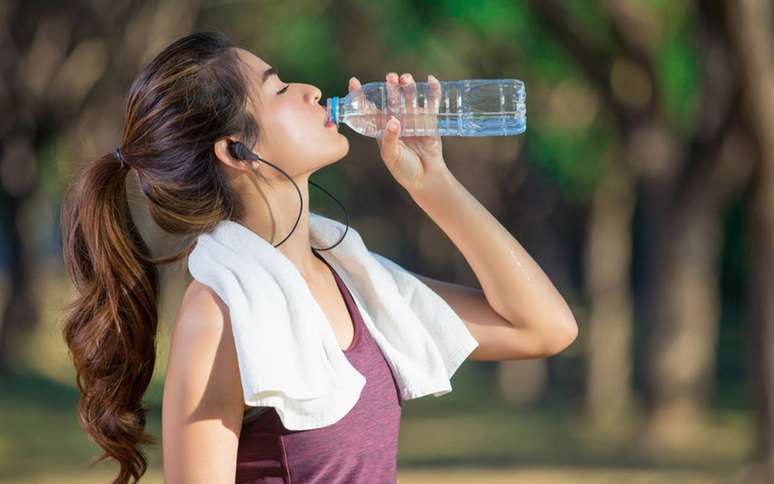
338 151
345 148
335 159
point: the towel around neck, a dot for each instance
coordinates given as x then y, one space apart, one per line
287 352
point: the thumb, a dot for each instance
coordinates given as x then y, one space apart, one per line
388 145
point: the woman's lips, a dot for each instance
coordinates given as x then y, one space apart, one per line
327 120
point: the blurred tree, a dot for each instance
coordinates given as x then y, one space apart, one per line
682 189
64 75
751 23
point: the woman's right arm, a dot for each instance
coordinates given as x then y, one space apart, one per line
202 405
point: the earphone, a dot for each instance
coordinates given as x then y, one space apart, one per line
241 152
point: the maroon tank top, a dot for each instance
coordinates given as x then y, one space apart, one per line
360 447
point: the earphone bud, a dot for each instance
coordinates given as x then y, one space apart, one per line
240 152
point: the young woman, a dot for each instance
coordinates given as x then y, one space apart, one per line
194 116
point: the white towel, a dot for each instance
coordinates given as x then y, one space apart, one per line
287 352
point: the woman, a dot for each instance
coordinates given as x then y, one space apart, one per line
211 131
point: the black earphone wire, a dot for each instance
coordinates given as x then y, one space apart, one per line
241 152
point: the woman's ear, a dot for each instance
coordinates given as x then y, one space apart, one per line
225 156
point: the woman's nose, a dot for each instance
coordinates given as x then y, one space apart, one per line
316 94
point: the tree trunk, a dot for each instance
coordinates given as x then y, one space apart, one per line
752 29
522 382
681 344
608 396
21 311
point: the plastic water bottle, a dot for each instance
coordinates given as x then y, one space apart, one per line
469 107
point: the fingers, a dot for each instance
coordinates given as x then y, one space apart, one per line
433 101
410 91
403 97
361 102
434 94
388 142
394 101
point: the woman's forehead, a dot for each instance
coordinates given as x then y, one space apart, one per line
255 63
255 67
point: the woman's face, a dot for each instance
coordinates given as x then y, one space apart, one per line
292 120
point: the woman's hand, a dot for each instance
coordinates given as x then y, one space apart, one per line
413 161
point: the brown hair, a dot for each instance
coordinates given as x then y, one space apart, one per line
193 93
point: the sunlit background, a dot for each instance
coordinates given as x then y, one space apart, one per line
643 186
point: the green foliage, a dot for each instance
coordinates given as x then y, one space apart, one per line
304 50
677 68
573 160
595 23
497 19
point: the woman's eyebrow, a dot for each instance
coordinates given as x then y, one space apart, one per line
271 71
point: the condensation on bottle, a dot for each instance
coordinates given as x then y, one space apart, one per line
468 107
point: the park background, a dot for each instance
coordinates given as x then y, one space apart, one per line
642 186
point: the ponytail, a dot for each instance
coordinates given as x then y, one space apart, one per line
110 329
195 92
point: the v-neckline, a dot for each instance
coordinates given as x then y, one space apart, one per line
341 286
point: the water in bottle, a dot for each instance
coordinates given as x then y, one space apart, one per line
468 107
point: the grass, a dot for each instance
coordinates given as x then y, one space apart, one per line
455 438
469 435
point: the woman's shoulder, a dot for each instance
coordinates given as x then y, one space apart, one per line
200 296
202 402
202 319
203 346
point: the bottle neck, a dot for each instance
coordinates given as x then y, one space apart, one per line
332 106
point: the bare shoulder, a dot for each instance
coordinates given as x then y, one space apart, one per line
201 297
203 339
202 404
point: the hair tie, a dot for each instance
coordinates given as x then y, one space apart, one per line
117 154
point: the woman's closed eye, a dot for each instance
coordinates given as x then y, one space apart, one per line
283 89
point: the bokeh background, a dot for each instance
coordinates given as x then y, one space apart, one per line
642 186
